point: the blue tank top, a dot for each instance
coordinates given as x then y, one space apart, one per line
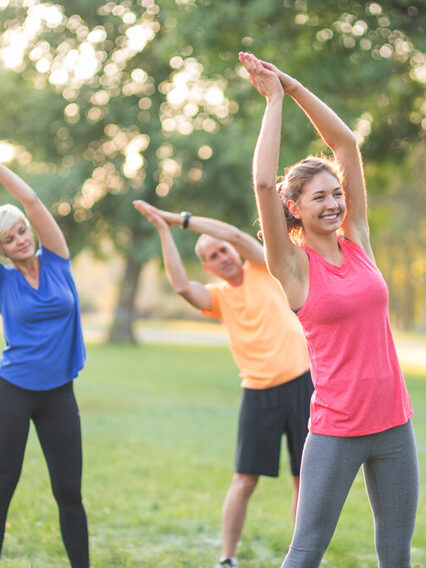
42 328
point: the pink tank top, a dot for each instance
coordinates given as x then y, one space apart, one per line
359 386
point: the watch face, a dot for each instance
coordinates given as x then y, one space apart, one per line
186 215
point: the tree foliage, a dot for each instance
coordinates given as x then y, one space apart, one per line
112 101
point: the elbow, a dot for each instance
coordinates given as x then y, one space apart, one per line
182 290
235 236
346 144
263 184
264 176
32 200
349 139
273 268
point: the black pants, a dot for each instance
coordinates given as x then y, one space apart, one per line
56 419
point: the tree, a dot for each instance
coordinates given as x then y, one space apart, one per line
400 230
147 99
127 103
366 59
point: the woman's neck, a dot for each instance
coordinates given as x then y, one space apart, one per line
326 246
30 269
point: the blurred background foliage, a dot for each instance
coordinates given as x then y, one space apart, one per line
104 102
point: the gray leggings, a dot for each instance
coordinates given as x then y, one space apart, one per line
329 467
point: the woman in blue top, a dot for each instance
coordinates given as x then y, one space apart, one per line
44 352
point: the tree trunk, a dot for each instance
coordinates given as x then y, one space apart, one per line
122 327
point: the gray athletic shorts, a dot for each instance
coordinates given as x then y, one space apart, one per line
267 414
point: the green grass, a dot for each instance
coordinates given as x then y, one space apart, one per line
159 427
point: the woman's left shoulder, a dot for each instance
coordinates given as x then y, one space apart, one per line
360 245
56 262
51 256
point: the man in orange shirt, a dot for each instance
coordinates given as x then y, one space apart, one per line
268 346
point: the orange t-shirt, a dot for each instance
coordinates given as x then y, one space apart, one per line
266 337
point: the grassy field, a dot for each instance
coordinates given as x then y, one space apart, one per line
159 426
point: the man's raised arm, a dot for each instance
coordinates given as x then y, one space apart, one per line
193 292
246 246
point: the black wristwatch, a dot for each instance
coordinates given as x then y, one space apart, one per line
186 215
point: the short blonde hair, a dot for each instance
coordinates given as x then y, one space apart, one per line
9 216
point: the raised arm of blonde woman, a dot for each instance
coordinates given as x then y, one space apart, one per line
48 232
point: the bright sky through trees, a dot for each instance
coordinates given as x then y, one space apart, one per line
111 100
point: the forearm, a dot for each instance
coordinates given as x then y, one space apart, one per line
193 292
246 246
212 227
265 165
17 187
266 153
173 265
334 132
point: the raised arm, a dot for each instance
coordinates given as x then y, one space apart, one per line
193 292
341 140
48 232
285 260
246 246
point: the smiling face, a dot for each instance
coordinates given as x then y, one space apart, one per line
321 205
18 243
220 258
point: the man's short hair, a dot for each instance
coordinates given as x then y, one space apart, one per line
199 247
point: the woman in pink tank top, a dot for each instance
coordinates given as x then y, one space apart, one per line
315 229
